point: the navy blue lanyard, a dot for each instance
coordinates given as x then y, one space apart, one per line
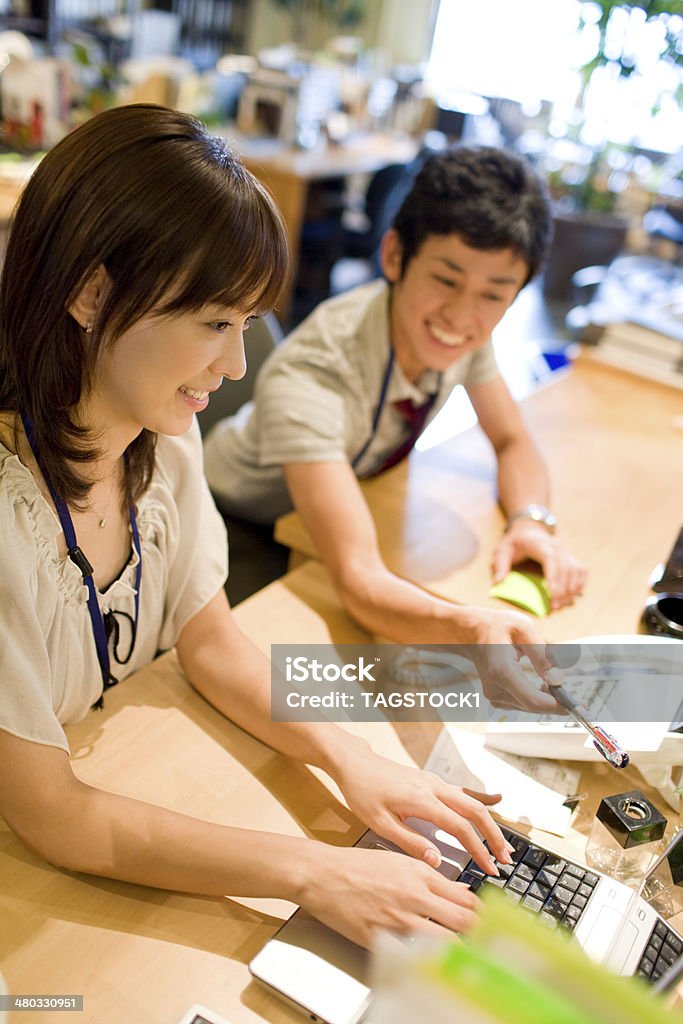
380 406
78 557
378 411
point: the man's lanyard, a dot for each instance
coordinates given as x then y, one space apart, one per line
388 369
78 557
378 411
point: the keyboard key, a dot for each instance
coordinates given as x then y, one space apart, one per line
675 943
568 923
574 913
493 880
514 897
563 895
517 884
585 890
505 869
525 871
568 881
467 878
591 879
531 903
655 943
553 864
661 965
539 891
661 929
647 965
520 847
579 901
548 919
474 869
554 907
667 954
546 878
534 857
575 870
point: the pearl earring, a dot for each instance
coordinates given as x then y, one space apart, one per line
88 327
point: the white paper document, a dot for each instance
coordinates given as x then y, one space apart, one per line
460 757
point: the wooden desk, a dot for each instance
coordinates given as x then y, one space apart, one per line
616 463
288 173
140 954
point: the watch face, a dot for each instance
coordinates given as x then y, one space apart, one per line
537 514
540 514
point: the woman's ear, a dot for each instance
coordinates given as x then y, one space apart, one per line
85 306
391 256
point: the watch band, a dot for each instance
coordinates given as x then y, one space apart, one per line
537 513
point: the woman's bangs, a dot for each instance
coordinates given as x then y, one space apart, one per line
242 261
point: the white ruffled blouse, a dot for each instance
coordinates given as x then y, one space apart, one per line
49 672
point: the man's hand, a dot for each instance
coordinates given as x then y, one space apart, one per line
501 642
525 539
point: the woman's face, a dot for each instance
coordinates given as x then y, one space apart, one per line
164 369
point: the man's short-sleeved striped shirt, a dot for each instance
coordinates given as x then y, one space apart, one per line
315 400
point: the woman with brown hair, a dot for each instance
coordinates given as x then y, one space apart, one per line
139 252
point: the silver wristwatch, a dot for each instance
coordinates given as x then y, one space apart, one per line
537 513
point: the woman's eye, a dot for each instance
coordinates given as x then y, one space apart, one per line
444 280
219 325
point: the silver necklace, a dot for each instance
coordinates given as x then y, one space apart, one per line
102 521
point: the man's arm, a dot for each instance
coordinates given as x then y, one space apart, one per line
522 481
329 499
522 476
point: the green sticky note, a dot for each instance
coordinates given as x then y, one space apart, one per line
528 590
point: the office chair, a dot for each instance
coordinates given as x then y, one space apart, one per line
382 187
386 191
255 558
262 337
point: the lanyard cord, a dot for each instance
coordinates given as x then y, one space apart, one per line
378 411
79 558
380 406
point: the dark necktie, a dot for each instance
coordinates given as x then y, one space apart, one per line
415 417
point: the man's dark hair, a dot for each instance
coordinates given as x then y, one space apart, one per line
178 223
490 198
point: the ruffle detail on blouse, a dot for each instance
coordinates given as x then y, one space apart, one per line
21 488
152 515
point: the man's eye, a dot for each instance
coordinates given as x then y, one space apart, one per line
494 298
219 325
445 280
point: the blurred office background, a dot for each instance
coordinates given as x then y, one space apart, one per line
335 104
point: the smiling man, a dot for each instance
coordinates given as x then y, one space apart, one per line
347 394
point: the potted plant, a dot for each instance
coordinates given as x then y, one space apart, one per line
590 220
593 184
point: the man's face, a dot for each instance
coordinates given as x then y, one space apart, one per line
448 300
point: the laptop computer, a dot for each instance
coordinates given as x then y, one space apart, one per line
325 976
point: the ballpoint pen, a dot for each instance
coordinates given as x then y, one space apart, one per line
602 741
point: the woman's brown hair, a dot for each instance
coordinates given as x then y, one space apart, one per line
178 223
